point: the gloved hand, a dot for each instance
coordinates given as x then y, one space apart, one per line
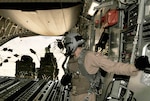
141 62
66 79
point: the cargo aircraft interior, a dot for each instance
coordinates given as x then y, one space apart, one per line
119 29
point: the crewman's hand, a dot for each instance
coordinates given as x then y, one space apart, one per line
66 79
142 62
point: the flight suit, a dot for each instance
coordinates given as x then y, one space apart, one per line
80 84
93 61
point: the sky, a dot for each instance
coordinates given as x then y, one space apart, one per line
22 46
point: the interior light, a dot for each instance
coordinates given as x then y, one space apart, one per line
92 9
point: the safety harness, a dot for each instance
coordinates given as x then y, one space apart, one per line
94 79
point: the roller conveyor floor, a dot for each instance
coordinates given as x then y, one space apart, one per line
16 89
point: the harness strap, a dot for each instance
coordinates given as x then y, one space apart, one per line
94 79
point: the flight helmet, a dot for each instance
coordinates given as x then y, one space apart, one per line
72 41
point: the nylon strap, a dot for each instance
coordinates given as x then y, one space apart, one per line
94 79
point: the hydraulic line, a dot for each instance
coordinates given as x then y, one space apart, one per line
139 22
